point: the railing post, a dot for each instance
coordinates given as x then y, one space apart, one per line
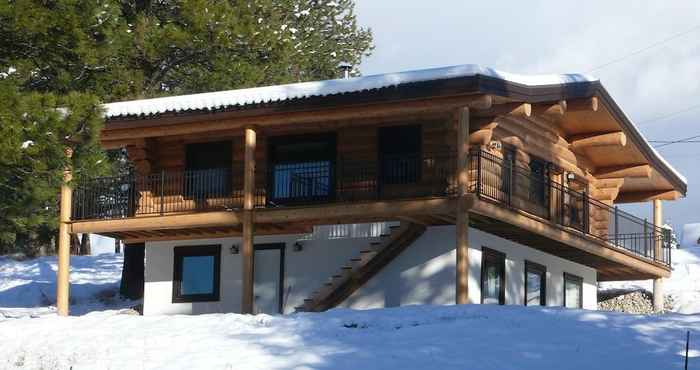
646 238
510 182
162 192
616 226
478 173
586 212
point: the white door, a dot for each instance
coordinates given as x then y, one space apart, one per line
269 275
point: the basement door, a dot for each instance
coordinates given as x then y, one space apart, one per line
268 283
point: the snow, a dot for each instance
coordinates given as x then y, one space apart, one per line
258 95
29 287
27 144
416 337
412 337
683 285
691 235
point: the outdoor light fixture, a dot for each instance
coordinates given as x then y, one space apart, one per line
235 249
570 176
298 247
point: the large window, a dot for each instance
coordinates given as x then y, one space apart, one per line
196 273
302 168
535 284
400 154
208 170
493 277
573 291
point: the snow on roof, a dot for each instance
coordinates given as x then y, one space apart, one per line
268 94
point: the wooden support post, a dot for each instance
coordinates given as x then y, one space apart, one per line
247 250
63 272
462 223
658 295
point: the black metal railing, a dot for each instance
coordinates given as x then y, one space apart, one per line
535 193
395 177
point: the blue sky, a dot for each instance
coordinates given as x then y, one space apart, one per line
564 37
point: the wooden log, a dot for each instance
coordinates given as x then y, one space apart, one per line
582 105
635 171
616 139
462 218
506 109
63 270
550 110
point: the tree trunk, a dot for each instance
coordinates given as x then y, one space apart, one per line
85 247
117 246
74 244
132 271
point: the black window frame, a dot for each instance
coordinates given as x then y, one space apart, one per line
392 156
577 280
539 181
489 255
213 179
179 253
542 270
330 154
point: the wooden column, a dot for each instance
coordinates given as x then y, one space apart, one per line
462 223
658 282
63 272
247 250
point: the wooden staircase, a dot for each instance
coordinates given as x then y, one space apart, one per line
363 267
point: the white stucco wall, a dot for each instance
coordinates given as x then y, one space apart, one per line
423 273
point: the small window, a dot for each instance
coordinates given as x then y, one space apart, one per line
493 277
535 284
196 273
208 170
573 291
539 176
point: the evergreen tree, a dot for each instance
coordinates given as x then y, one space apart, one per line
59 58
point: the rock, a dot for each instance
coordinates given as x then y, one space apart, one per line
630 301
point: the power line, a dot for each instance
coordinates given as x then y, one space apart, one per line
639 51
668 115
679 141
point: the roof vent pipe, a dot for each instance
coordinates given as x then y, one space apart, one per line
345 67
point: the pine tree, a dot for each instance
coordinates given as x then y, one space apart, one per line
60 58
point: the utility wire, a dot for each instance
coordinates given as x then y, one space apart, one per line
668 115
639 51
679 141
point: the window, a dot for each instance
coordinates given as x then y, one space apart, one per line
535 284
208 170
400 154
573 291
493 277
507 172
196 273
302 167
539 188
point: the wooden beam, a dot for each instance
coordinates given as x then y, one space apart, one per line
167 222
247 248
413 220
658 296
63 270
462 222
480 137
340 213
645 196
507 109
208 122
550 110
633 171
597 140
582 105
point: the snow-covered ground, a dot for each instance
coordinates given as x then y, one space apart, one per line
418 337
29 286
683 285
